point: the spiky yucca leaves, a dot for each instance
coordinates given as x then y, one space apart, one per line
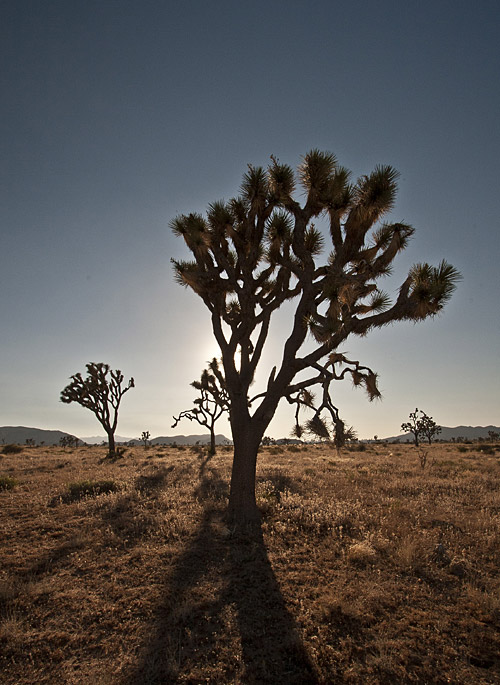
326 423
256 251
432 287
281 180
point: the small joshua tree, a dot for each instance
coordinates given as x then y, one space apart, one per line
145 437
428 427
68 441
423 426
412 427
211 404
102 393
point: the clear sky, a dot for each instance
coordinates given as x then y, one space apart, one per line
118 115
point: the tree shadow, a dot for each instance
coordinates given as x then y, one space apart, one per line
154 480
221 593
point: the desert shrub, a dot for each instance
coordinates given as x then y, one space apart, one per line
7 483
90 488
361 553
12 449
486 449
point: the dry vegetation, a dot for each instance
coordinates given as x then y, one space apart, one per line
368 568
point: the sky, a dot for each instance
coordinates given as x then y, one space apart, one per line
117 116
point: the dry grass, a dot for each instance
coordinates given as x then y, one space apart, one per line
368 569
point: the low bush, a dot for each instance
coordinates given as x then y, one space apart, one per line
486 449
7 483
12 449
90 488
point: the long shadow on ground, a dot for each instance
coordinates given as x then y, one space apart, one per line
222 593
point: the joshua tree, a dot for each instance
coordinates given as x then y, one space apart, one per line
211 404
68 441
423 426
428 427
101 392
261 249
412 426
145 437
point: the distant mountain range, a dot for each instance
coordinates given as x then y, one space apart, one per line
19 435
182 440
466 432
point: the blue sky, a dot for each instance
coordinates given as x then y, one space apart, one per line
117 116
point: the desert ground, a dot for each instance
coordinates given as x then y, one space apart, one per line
369 567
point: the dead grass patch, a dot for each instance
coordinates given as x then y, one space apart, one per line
367 568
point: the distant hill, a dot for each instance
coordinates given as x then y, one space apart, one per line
466 432
97 439
19 434
183 440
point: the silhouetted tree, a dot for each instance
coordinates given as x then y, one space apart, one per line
421 426
68 441
145 437
412 426
211 404
261 249
101 392
428 427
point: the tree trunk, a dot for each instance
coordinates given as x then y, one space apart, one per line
248 432
111 444
212 441
242 508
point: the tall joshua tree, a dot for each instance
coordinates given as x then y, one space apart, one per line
101 392
261 249
212 402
